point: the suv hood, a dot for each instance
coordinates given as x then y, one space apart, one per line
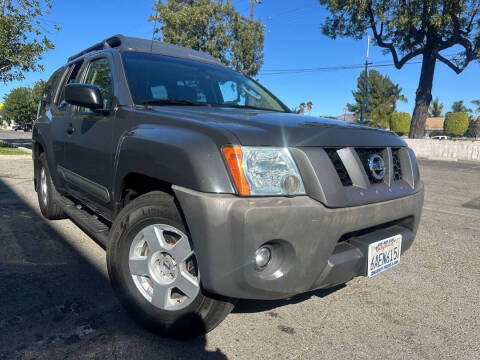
264 128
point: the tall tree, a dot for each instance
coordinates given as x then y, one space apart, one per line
302 108
309 107
458 106
23 39
436 108
477 104
21 103
408 29
214 27
382 98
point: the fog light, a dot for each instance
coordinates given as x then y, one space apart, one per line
262 257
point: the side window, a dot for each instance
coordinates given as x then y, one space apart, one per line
100 75
70 78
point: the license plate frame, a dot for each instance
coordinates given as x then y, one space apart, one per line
383 255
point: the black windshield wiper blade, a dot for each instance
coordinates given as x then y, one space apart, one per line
173 102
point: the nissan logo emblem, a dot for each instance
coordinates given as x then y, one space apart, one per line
377 166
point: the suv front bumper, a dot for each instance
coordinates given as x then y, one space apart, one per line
313 246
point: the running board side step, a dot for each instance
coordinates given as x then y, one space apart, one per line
89 223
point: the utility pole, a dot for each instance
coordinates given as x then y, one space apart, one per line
365 89
253 2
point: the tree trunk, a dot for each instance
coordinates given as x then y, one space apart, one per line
424 96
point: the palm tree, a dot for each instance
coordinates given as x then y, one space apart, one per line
459 107
477 104
309 107
436 108
302 108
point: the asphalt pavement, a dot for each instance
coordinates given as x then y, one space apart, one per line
56 301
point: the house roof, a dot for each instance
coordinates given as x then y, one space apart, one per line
434 123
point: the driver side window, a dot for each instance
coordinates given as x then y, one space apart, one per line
100 75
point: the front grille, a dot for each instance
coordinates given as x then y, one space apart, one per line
364 155
339 167
397 169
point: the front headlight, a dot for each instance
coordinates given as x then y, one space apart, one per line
263 170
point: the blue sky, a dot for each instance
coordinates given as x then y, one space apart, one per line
293 39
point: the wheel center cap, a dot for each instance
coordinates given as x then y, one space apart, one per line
165 267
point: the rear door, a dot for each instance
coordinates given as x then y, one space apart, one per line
89 148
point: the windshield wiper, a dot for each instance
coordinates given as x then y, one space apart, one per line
236 106
173 102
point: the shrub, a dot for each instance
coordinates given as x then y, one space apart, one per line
456 124
400 123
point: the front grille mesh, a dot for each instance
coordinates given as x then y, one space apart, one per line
397 169
339 167
364 155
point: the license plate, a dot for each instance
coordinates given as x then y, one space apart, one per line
384 254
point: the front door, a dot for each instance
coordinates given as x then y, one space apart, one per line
89 149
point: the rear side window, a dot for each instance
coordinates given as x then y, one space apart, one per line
72 77
99 74
50 90
52 84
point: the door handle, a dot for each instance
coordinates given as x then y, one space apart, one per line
70 129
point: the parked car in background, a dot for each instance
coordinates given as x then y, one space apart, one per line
205 188
440 137
23 127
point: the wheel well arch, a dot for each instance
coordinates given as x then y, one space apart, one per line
135 184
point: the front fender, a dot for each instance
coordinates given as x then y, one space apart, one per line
179 156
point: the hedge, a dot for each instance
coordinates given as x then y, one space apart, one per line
400 123
456 124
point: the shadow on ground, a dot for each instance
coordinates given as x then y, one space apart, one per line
54 303
253 306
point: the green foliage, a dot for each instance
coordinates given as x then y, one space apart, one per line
456 124
474 128
23 38
21 103
382 98
400 123
436 108
215 28
458 107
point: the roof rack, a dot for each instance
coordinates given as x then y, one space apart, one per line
112 42
124 43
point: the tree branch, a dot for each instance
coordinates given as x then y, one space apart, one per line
378 37
451 65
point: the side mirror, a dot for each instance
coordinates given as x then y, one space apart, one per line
88 96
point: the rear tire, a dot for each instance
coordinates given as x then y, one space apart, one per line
46 192
153 270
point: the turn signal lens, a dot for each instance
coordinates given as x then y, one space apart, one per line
234 158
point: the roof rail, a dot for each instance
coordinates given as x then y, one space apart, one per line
125 43
111 42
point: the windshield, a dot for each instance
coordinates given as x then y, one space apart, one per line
163 80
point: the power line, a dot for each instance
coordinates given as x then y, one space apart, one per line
337 68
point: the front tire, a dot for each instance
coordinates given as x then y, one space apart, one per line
47 193
153 269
